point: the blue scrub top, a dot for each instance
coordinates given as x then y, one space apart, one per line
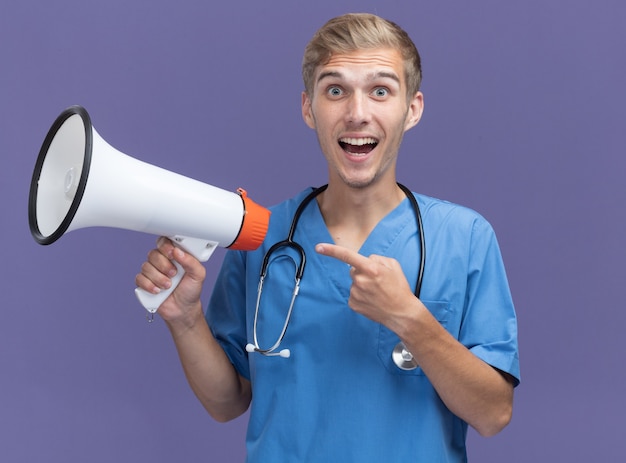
340 397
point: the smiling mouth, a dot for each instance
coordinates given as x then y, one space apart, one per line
358 145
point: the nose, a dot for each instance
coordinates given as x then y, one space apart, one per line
358 112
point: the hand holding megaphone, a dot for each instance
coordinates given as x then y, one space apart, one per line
199 248
156 272
81 181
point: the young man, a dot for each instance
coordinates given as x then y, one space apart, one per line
369 371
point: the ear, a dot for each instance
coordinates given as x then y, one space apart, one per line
414 114
307 111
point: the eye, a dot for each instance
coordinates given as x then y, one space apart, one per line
334 91
381 92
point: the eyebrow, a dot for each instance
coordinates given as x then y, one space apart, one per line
373 76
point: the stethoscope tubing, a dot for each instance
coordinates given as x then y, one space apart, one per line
400 355
420 230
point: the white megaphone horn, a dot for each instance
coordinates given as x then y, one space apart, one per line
81 181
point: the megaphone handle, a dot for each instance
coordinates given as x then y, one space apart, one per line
199 248
152 302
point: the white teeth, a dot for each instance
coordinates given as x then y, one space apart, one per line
358 141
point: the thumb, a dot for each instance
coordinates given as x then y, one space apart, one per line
194 270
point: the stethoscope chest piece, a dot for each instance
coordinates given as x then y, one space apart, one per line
403 358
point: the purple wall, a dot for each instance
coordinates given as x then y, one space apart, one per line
524 122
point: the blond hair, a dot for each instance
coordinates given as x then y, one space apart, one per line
356 31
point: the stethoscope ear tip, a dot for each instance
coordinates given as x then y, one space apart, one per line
285 353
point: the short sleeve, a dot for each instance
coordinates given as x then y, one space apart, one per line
226 312
489 327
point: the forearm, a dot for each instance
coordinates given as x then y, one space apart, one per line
213 379
473 390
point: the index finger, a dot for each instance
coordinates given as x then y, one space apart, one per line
350 257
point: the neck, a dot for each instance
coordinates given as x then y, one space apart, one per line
351 214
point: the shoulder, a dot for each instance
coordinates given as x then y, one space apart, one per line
446 213
285 210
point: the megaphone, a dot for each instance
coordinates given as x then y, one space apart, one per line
81 181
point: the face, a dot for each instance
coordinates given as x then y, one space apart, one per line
360 111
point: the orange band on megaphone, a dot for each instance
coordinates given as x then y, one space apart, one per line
254 225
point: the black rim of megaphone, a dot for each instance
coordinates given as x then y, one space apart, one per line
34 184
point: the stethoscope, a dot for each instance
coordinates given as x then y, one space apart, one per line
400 355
